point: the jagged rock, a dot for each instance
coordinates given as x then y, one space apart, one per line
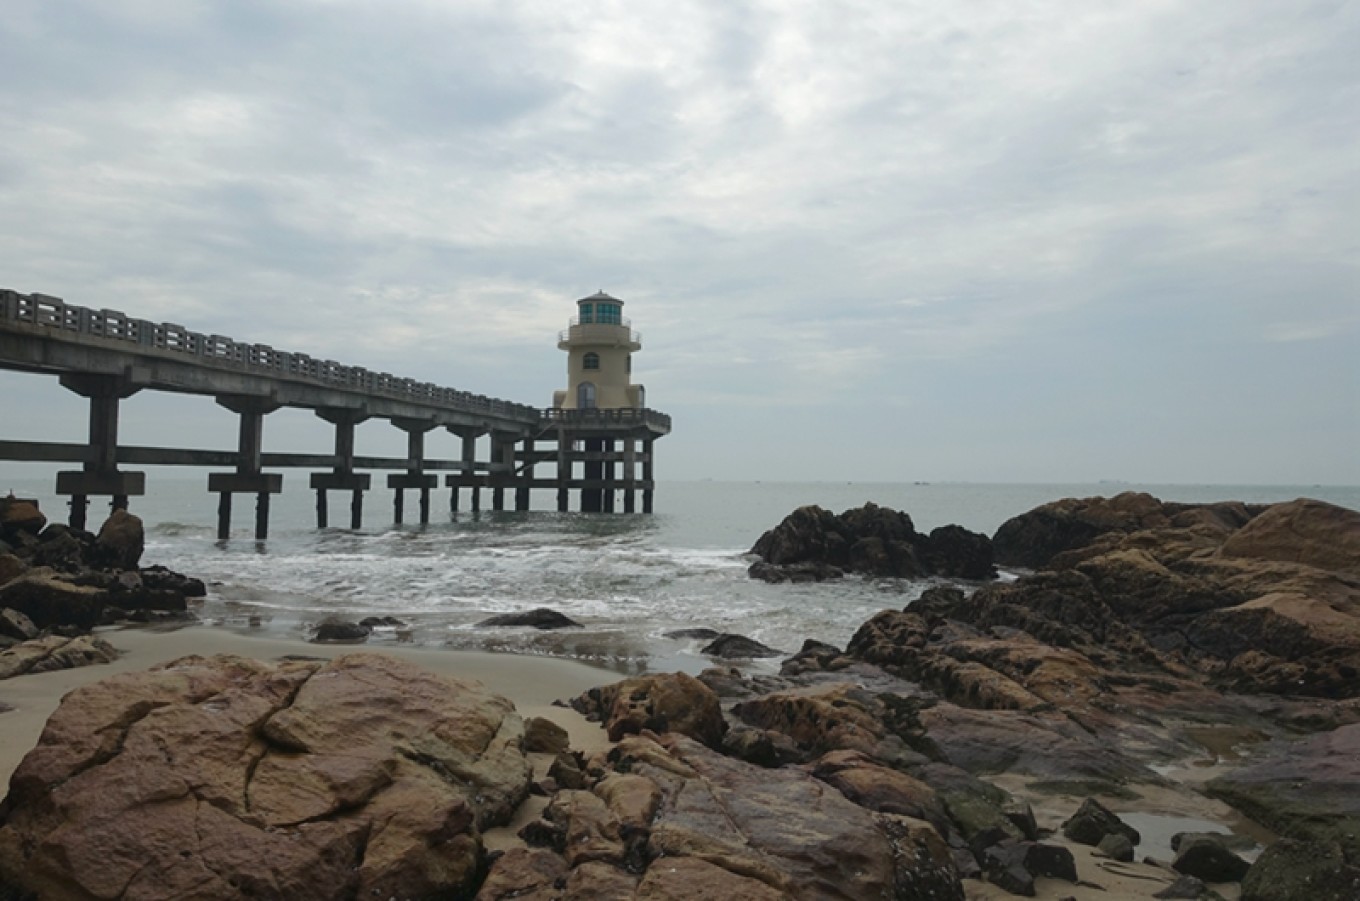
737 647
590 831
381 622
538 618
121 540
364 776
48 600
805 571
812 544
158 578
1004 865
1307 532
14 624
543 736
1053 861
1093 821
1307 789
11 567
682 878
565 771
1185 886
19 516
594 881
664 702
881 789
1294 870
1206 857
742 818
524 873
1229 840
337 630
1116 847
54 652
700 634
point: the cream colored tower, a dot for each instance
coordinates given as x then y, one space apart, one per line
600 344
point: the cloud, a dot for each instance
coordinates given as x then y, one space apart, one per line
804 204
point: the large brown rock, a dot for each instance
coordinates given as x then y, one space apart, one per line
361 777
54 652
48 600
780 827
1308 532
812 544
663 702
1307 789
19 516
121 540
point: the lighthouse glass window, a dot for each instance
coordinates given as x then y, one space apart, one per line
608 314
587 311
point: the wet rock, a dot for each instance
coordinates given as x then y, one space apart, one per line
1229 840
699 634
538 618
881 789
364 777
381 622
664 702
1116 847
1053 861
19 517
1206 857
48 600
762 747
11 567
738 647
594 881
1004 865
1307 789
1307 532
14 624
524 873
1294 870
1184 886
54 652
121 540
680 878
543 736
341 631
812 544
1093 821
805 571
158 578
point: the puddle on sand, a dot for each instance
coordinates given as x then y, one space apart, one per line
1157 829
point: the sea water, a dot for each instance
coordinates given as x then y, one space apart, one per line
627 578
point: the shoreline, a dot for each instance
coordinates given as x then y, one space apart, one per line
532 683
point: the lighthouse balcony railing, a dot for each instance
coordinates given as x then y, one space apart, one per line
602 331
619 416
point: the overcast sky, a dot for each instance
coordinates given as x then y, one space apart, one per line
869 241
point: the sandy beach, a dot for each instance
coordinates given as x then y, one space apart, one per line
532 683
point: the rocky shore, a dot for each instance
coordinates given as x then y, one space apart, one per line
1144 663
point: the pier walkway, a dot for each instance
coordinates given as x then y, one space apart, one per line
106 356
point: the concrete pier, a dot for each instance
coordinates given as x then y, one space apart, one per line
106 357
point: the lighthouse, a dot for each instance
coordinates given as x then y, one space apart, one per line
600 344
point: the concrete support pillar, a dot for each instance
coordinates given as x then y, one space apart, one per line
564 440
467 476
342 477
414 477
608 472
503 456
648 456
629 472
248 478
526 476
592 499
99 474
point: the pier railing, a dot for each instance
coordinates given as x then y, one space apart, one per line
44 311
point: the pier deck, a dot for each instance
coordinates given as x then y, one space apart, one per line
106 356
